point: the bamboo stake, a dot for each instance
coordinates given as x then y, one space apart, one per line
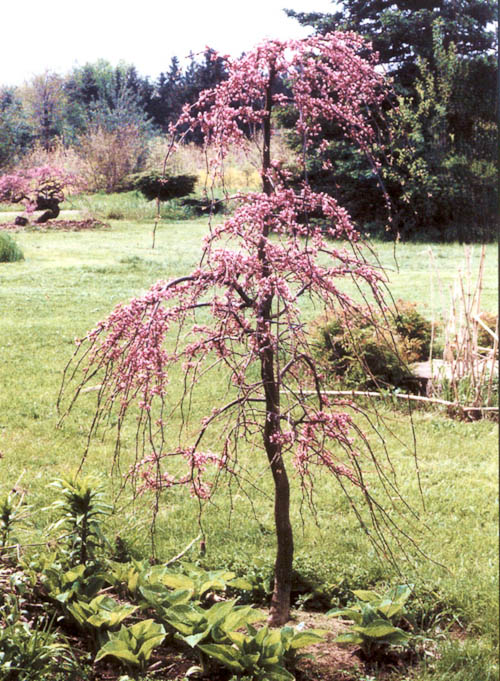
401 396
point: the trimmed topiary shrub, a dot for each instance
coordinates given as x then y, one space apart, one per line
9 250
153 185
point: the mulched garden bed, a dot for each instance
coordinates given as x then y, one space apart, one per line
58 225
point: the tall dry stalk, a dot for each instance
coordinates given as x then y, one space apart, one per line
467 364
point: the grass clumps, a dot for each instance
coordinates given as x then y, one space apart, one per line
9 250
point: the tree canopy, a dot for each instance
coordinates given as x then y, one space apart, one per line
254 270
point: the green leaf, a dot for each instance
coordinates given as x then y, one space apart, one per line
72 575
307 638
226 655
349 637
377 629
399 637
366 595
276 672
350 613
176 581
194 639
159 596
118 649
144 652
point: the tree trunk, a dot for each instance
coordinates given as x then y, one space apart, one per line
50 206
280 602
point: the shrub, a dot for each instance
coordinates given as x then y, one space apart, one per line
367 352
9 250
154 185
110 155
485 339
414 329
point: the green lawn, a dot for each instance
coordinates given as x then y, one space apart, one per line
69 281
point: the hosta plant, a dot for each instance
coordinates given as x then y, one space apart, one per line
196 580
133 646
65 585
101 614
373 616
194 624
262 654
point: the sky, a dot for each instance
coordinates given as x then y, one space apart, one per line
56 35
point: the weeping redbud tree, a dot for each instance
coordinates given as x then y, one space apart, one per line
255 269
40 188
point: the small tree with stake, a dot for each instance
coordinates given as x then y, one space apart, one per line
254 270
161 187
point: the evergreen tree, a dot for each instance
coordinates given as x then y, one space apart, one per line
401 30
423 61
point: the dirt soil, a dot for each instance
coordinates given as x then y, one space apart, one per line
61 225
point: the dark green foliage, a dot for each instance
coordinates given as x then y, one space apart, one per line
178 87
358 353
100 94
440 151
99 87
154 185
442 175
199 207
15 132
9 250
401 30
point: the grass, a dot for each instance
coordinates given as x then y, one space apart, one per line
69 281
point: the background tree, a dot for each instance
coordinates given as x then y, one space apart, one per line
444 178
254 270
404 33
115 141
16 135
44 101
401 31
179 87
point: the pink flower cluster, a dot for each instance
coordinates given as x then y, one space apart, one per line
328 78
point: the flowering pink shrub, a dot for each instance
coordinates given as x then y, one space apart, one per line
39 188
252 290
